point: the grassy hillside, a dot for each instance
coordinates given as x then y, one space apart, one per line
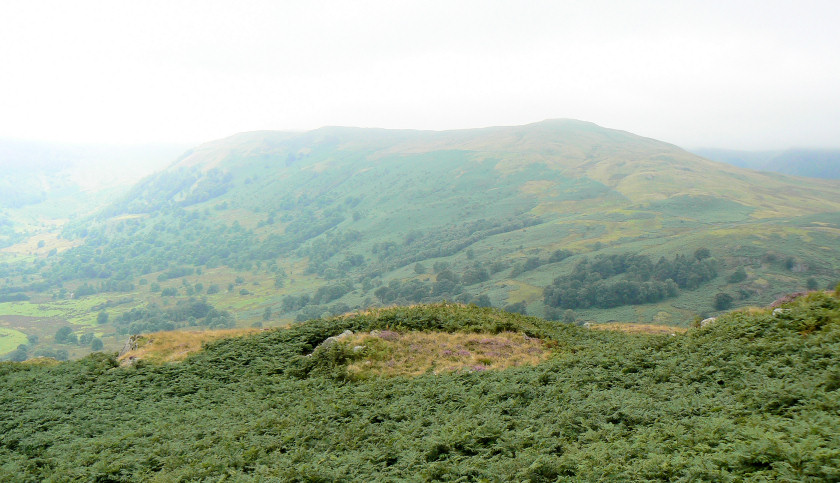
753 396
269 228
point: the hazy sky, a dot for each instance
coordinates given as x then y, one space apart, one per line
734 74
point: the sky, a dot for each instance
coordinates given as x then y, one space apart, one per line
732 74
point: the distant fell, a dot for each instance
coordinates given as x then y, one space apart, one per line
812 163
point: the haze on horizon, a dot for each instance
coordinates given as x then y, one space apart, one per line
756 75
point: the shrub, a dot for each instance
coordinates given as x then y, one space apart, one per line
723 301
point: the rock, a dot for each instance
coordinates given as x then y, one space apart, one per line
130 345
358 348
336 338
705 322
780 312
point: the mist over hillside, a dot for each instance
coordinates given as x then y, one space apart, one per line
813 163
43 184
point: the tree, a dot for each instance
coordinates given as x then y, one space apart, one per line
569 316
812 283
96 344
517 308
20 354
473 276
102 318
267 313
62 334
702 253
482 301
738 275
723 301
419 268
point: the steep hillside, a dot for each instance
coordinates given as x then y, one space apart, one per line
753 396
562 219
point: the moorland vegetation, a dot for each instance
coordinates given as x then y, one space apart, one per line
753 396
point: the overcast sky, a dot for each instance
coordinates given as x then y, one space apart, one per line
731 74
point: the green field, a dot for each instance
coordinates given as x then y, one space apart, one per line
10 339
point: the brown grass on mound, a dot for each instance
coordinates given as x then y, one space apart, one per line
639 328
176 345
392 353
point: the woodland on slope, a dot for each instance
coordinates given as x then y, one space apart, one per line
561 219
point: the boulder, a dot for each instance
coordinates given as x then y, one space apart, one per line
336 338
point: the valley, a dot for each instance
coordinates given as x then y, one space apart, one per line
561 219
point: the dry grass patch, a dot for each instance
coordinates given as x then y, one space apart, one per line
639 328
392 353
175 346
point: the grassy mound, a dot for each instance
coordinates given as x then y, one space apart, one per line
390 353
755 395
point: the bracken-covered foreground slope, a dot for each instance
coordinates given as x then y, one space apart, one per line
755 395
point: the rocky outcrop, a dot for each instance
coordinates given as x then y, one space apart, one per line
130 345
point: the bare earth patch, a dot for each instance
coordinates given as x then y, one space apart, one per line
176 345
392 353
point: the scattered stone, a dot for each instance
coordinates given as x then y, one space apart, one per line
705 322
780 312
358 348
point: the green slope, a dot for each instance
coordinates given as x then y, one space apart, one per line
290 226
754 396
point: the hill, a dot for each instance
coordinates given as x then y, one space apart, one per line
562 219
813 163
752 396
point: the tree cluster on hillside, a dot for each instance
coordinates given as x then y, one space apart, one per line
186 313
627 279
